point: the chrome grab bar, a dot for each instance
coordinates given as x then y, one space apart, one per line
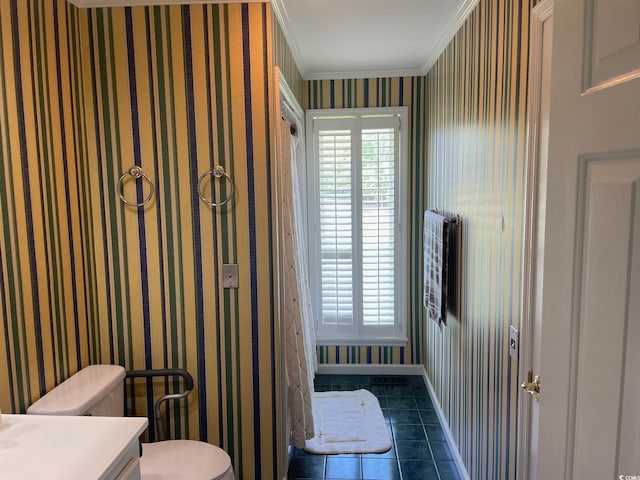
164 372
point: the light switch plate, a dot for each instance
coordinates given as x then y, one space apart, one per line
230 275
514 342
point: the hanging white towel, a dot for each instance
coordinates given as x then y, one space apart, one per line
435 240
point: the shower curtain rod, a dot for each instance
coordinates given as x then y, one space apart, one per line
287 113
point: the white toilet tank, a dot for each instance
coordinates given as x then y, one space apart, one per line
94 390
99 390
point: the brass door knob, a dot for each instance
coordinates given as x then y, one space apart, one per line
532 386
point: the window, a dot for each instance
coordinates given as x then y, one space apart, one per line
357 213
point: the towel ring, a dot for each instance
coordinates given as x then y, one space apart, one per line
217 172
135 172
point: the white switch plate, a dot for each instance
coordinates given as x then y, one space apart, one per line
514 341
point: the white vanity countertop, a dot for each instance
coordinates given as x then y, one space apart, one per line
55 447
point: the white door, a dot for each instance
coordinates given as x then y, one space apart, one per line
589 409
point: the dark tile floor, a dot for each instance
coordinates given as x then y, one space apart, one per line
420 450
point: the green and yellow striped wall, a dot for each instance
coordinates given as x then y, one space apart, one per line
284 59
175 90
44 306
86 94
476 124
386 92
470 117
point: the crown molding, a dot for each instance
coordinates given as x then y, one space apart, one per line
452 27
289 34
133 3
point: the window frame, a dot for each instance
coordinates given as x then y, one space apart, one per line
353 119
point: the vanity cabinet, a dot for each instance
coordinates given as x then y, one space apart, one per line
67 448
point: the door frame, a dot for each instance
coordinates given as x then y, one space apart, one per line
533 248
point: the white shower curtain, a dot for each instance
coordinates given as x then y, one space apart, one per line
296 304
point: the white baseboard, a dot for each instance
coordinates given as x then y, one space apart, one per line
445 426
361 369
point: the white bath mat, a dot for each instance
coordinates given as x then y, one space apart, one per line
348 422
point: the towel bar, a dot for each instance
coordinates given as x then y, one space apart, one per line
452 220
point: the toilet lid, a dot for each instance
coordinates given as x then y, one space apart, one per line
183 459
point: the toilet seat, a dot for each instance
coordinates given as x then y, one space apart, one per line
184 459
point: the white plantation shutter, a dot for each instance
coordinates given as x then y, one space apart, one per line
357 250
378 226
336 235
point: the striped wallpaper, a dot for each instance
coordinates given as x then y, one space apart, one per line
386 92
476 98
284 59
88 93
44 308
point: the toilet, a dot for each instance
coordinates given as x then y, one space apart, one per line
99 390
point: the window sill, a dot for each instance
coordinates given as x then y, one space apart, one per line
369 342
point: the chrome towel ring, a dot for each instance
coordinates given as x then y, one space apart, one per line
217 172
135 172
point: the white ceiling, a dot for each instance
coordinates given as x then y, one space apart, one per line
356 38
369 38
